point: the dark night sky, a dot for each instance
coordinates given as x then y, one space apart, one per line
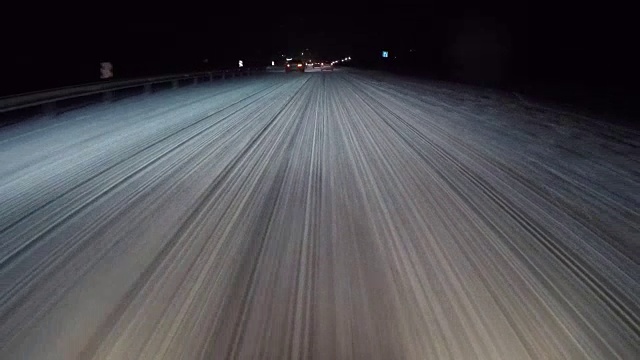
515 42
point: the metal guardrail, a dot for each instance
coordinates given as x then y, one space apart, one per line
50 97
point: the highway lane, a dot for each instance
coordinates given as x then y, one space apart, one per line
344 215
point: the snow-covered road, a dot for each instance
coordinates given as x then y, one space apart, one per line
343 215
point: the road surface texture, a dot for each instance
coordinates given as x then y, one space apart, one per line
344 215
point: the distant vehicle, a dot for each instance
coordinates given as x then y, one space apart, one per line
294 65
326 65
316 65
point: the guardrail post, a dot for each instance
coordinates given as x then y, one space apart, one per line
49 108
107 96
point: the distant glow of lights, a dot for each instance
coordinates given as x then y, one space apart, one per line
299 65
273 63
289 59
240 64
385 54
